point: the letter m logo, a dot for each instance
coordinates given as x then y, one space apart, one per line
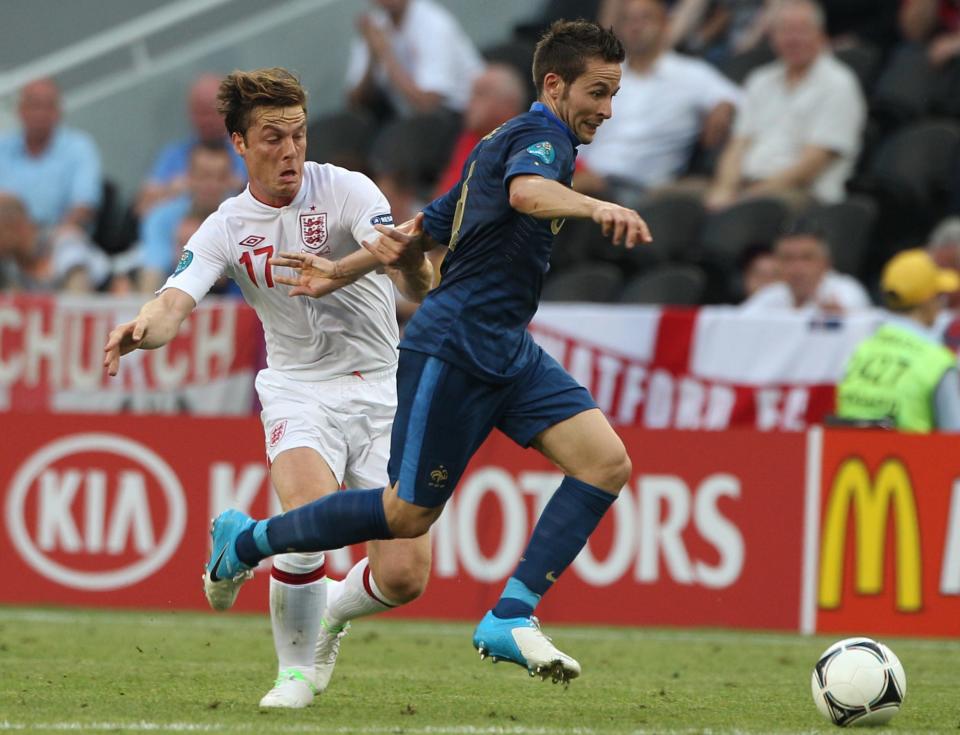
871 502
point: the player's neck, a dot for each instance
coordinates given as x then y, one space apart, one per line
271 200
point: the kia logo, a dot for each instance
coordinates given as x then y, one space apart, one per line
104 527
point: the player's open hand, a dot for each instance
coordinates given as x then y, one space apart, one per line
124 338
315 276
622 225
399 247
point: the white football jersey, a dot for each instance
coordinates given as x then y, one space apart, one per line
351 330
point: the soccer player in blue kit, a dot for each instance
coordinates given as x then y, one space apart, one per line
467 361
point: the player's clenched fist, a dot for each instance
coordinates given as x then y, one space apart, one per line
622 225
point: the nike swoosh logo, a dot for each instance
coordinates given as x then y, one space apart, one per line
216 564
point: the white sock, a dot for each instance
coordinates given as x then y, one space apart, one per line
356 595
297 598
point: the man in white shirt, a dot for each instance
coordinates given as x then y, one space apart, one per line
799 131
665 104
415 53
809 285
328 391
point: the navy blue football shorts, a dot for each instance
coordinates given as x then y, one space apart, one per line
444 414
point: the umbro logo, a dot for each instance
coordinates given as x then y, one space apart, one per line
252 241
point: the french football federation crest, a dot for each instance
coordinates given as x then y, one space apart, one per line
313 232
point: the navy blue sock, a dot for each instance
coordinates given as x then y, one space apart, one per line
335 520
562 531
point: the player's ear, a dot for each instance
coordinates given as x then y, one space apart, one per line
239 143
553 85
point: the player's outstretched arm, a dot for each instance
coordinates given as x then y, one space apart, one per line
318 276
156 324
402 251
548 199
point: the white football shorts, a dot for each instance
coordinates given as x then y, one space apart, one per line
347 420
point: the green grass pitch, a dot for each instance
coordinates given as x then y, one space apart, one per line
97 671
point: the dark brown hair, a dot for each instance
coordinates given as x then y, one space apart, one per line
242 91
568 45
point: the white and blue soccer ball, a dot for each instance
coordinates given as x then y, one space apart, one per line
858 681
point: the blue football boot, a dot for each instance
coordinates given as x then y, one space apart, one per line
225 572
520 641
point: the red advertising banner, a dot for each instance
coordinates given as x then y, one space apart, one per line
889 550
114 511
51 358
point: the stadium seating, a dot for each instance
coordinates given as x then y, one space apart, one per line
416 147
849 229
671 283
599 282
343 138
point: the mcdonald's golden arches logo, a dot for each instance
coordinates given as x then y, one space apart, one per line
872 500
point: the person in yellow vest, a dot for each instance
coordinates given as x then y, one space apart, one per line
902 372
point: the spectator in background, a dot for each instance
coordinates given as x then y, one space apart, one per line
758 267
933 29
497 95
943 245
902 373
717 29
809 284
54 170
799 131
935 23
48 259
666 103
170 172
210 180
413 57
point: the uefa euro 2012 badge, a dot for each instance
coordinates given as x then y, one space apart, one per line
544 151
186 258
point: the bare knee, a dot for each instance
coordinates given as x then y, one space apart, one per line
613 471
402 577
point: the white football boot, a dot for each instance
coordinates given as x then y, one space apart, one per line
326 652
293 689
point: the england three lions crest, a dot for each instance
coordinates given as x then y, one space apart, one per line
313 232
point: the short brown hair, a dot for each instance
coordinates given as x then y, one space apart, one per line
242 91
567 46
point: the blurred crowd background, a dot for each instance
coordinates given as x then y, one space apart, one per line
781 150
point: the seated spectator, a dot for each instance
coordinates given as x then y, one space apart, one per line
210 180
497 95
932 28
168 176
720 29
759 268
799 130
413 57
46 259
809 284
54 170
943 245
665 104
935 23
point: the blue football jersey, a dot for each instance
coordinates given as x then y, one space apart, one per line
492 276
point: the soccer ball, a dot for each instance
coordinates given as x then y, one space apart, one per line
858 681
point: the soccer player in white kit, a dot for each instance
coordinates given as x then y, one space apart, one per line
328 391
